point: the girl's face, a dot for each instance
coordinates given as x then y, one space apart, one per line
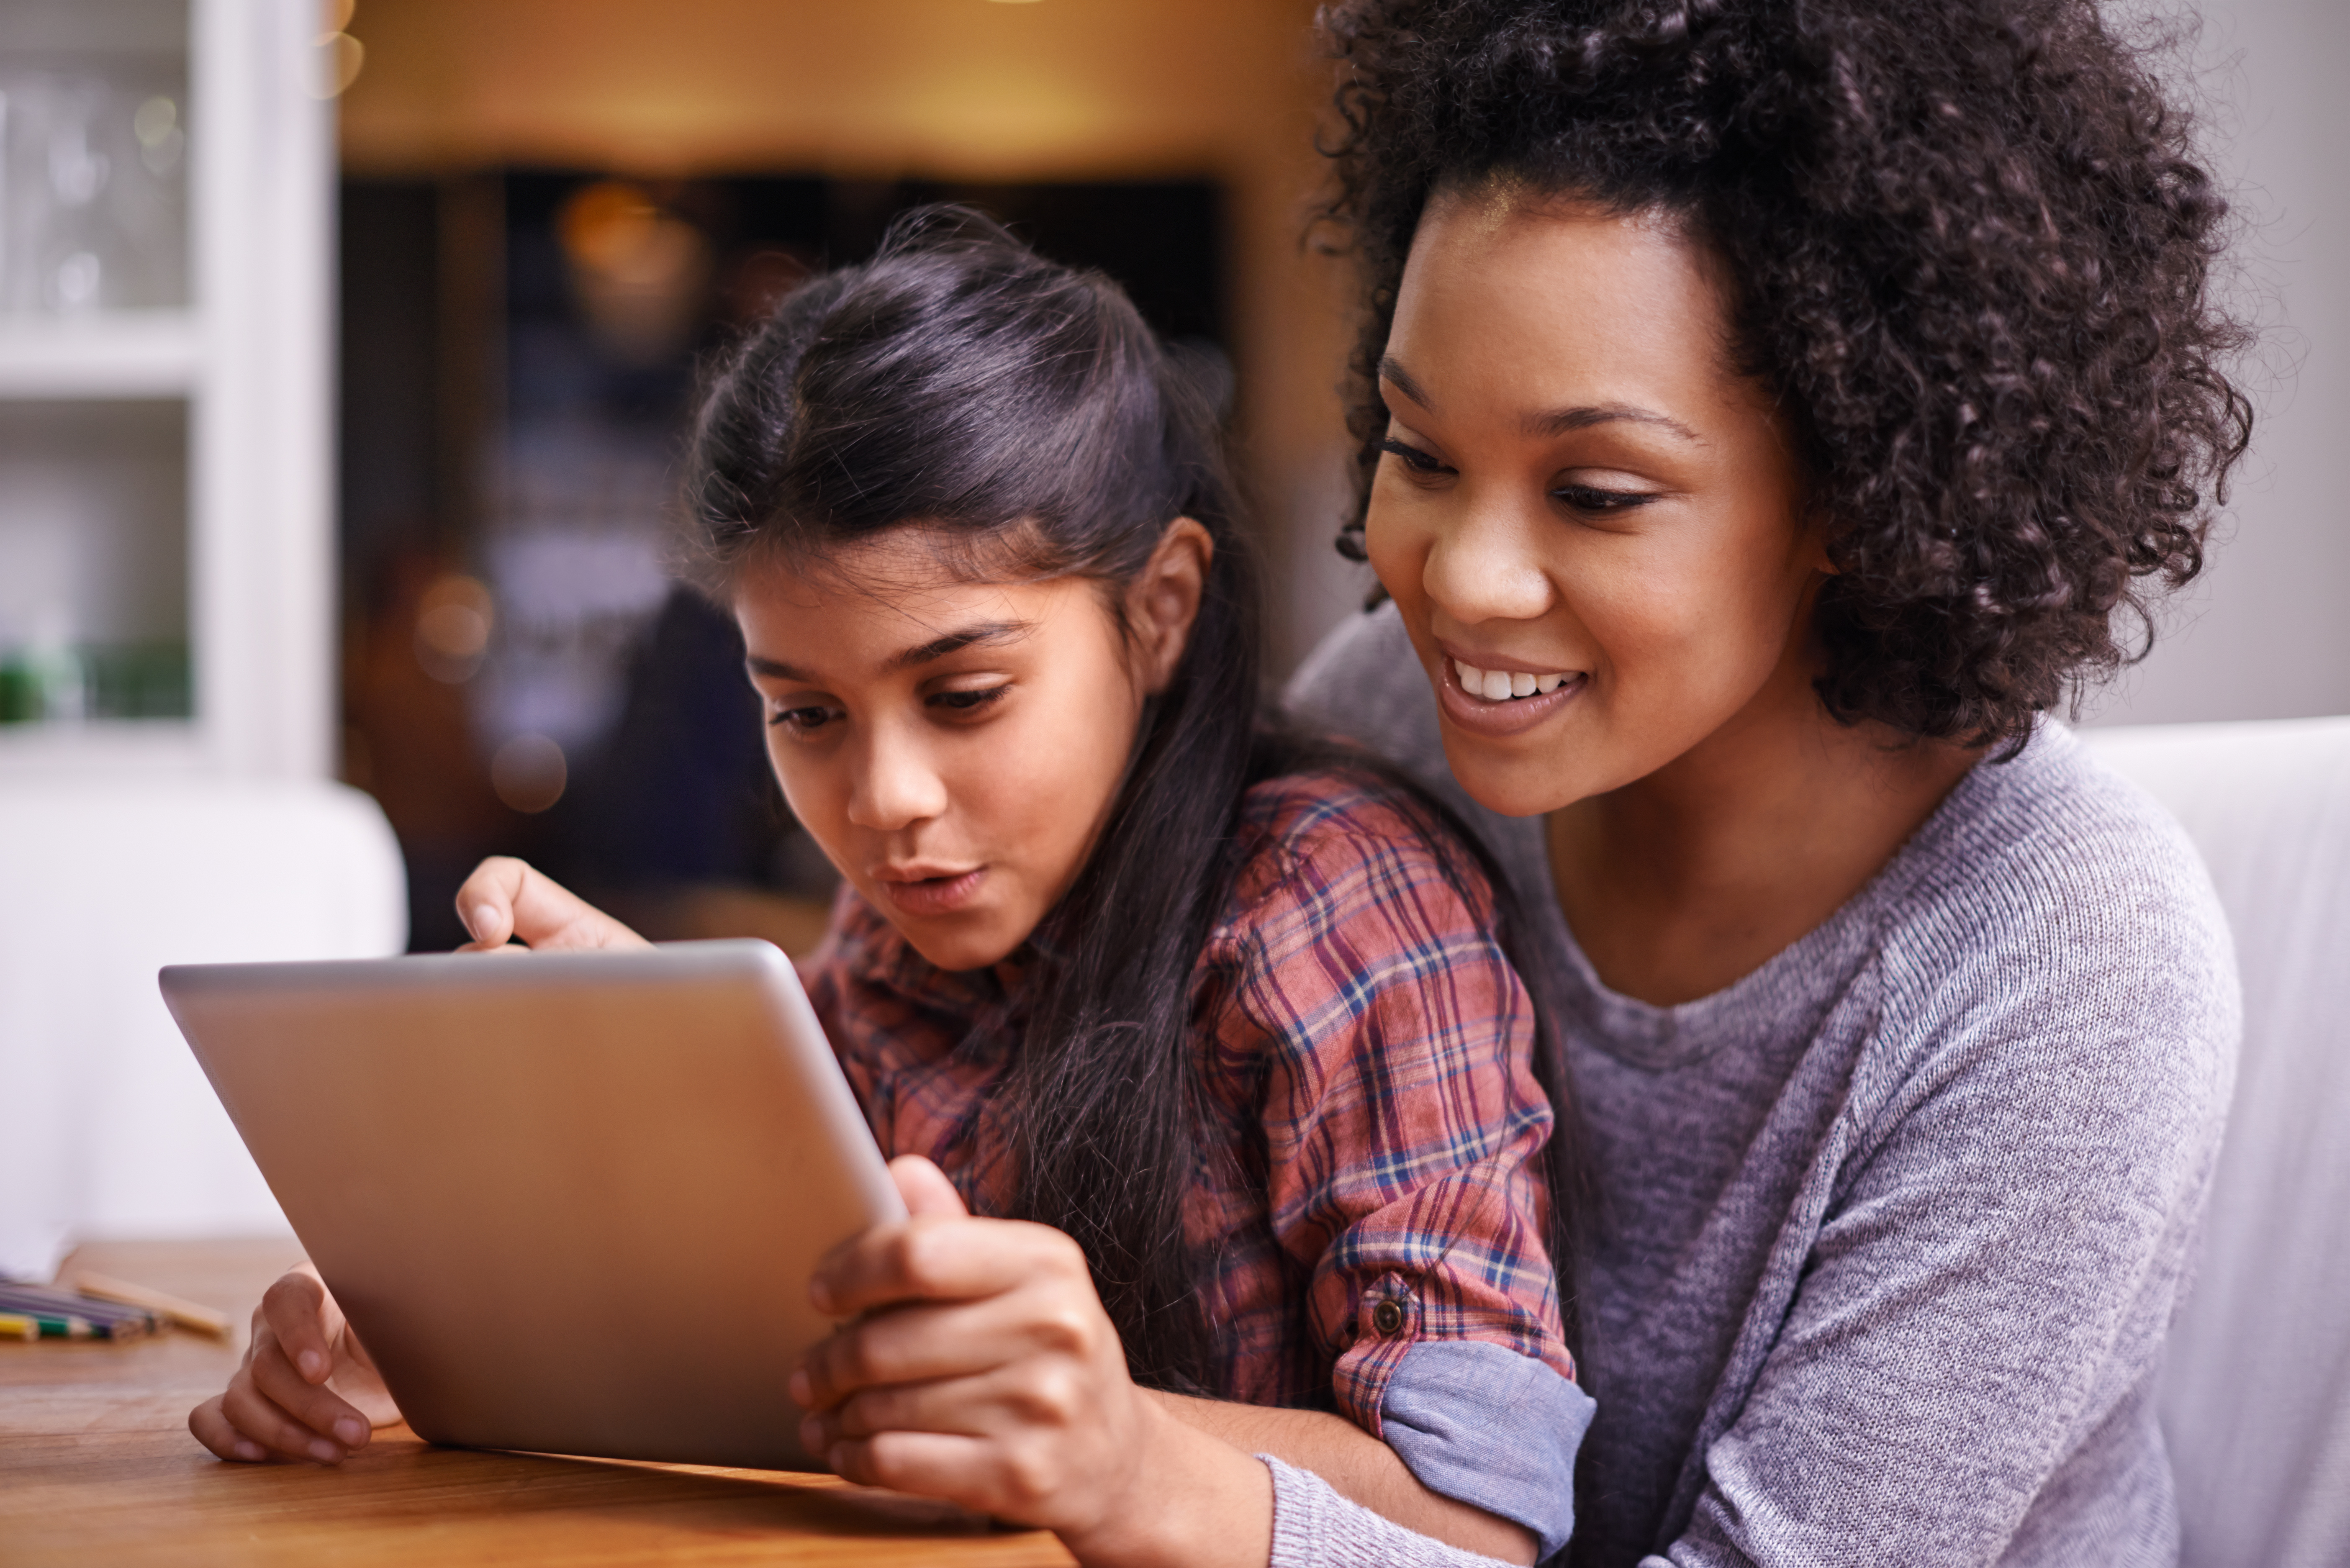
954 746
1593 526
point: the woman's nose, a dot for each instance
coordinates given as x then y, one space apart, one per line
1482 564
895 785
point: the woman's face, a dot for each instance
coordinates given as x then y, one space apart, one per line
955 746
1593 526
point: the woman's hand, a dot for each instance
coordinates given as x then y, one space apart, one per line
978 1366
504 898
307 1389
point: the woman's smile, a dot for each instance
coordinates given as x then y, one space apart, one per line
1501 700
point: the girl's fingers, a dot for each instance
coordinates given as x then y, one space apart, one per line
925 1188
298 1317
923 1344
937 1258
255 1418
507 899
965 1471
1001 1400
211 1428
325 1413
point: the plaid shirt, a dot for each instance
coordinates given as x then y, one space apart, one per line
1367 1054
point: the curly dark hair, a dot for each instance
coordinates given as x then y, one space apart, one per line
1972 249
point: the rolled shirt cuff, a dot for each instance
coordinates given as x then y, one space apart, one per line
1488 1427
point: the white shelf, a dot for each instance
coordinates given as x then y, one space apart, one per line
144 354
102 746
251 361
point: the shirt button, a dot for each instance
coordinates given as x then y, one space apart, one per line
1387 1318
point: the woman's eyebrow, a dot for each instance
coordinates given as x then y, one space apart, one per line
1555 421
1401 378
1558 421
981 634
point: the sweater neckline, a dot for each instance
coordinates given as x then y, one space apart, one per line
1752 1009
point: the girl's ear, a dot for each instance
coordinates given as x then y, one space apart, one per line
1163 601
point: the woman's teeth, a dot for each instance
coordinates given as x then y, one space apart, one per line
1501 685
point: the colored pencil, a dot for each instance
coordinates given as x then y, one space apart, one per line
58 1310
186 1313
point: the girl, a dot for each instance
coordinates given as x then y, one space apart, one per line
1808 396
1210 1022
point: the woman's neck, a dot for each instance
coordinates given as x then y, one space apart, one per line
1683 882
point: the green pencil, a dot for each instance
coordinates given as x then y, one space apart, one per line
60 1327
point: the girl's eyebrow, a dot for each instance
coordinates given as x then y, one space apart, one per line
1554 421
982 634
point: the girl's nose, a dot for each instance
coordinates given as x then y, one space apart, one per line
895 785
1484 565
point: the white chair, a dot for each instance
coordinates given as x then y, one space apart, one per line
107 1125
2256 1392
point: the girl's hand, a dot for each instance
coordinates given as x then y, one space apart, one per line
979 1366
505 899
307 1389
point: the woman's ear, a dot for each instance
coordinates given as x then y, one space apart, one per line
1163 601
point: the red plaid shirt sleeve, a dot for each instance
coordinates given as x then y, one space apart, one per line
1401 1121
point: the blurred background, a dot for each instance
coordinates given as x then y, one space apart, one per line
552 213
345 354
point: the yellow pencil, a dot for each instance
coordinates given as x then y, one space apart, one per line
15 1325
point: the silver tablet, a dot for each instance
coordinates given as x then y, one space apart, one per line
569 1200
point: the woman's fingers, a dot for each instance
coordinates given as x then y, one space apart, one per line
505 899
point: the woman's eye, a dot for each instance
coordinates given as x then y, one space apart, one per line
1413 458
800 720
1591 498
966 701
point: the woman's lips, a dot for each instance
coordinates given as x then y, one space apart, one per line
932 894
1510 716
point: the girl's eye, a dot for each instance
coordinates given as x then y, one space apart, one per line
1592 498
800 720
966 701
1413 458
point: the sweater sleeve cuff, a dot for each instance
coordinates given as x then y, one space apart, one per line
1488 1427
1313 1527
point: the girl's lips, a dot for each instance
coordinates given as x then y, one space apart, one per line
934 894
1498 721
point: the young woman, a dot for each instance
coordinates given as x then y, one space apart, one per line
1770 411
1209 1025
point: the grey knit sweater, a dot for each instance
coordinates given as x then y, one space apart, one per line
1892 1228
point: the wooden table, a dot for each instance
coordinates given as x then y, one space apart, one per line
96 1468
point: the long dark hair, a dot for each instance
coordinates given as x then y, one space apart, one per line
1026 418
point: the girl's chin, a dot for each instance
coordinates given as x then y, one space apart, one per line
955 950
973 937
